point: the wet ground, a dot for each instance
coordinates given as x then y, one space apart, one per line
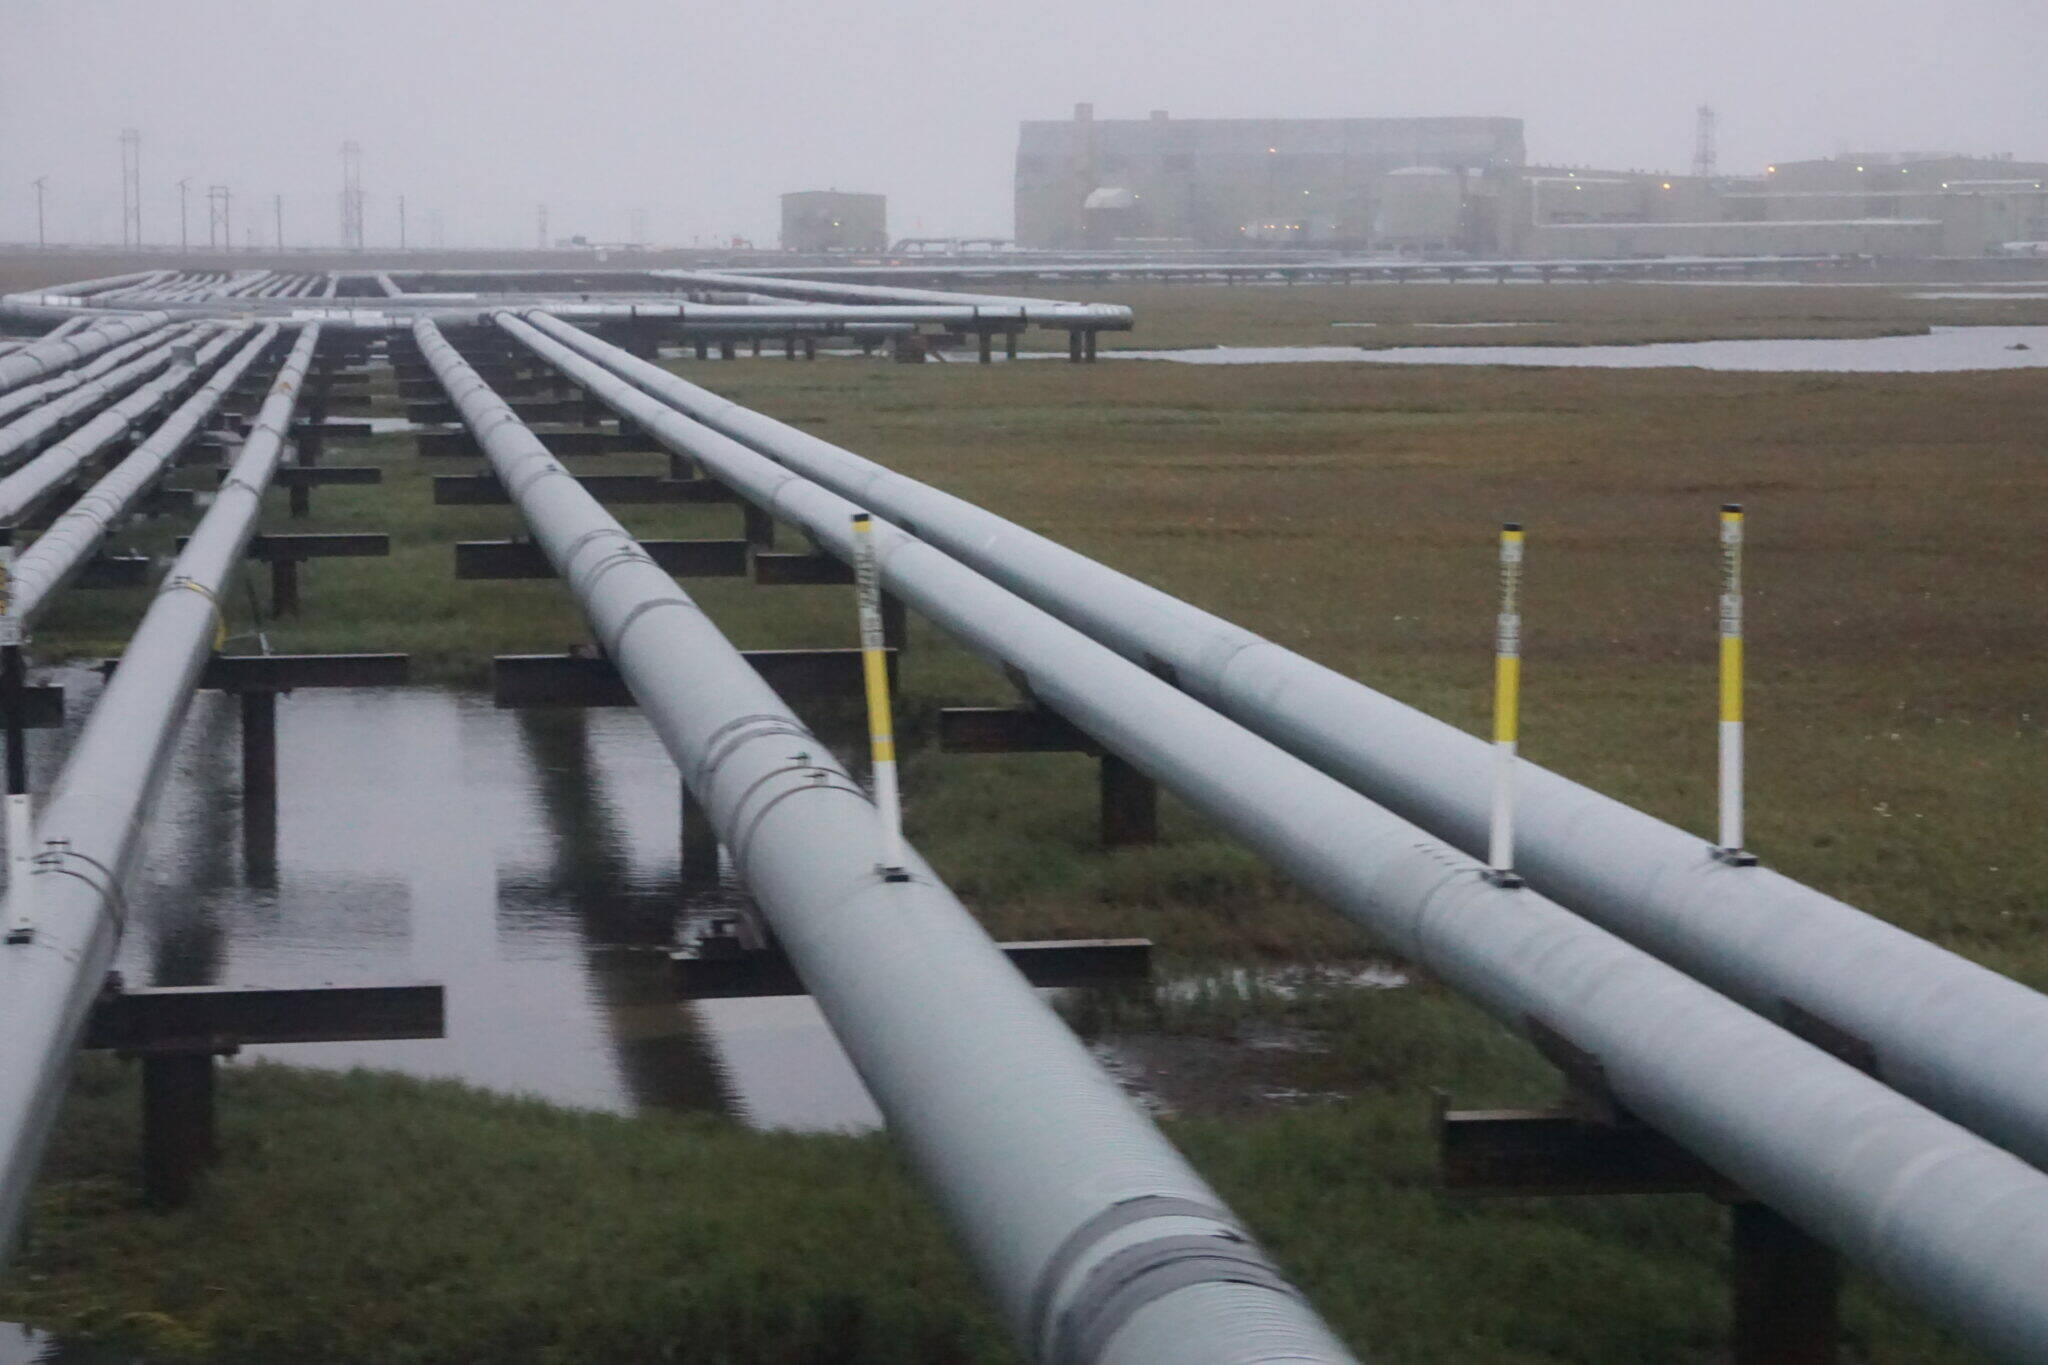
1941 349
526 860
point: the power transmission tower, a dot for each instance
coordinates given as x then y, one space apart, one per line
542 232
1703 153
351 196
184 228
219 202
401 222
131 187
41 183
640 227
277 207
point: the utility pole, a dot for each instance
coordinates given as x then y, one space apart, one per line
184 229
277 207
41 183
219 201
543 227
401 222
131 187
1704 157
351 196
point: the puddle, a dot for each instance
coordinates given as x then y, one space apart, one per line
1979 294
26 1346
526 860
1944 349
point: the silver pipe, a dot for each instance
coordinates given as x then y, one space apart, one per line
822 292
64 381
1924 1203
44 569
27 488
1042 1165
66 922
46 357
1959 1038
23 436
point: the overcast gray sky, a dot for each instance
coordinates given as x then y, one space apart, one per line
700 114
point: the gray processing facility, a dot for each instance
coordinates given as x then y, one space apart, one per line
834 220
1463 186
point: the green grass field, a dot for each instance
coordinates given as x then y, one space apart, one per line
1898 636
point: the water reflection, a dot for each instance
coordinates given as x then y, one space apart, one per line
526 860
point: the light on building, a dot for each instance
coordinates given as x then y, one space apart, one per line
1770 170
1667 184
1272 149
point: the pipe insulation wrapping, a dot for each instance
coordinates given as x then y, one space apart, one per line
1078 1214
1924 1203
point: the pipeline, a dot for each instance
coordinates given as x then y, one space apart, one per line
1919 1200
1959 1038
22 437
64 381
62 550
27 488
64 924
1081 1218
45 357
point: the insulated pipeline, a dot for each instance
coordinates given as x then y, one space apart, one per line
42 570
65 922
1963 1040
1918 1199
43 358
1091 1231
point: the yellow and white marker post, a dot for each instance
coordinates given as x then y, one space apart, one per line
1507 696
874 661
1729 848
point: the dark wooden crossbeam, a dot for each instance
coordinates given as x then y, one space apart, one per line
524 559
457 441
484 490
728 970
523 680
289 672
778 570
208 1017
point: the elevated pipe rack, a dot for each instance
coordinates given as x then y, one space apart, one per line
63 925
1919 1200
1098 1240
1959 1038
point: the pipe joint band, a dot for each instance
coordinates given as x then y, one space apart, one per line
1142 1274
1082 1239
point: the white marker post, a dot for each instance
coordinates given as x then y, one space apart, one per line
1729 849
874 660
1507 689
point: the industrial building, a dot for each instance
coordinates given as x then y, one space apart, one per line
1228 182
1461 186
833 220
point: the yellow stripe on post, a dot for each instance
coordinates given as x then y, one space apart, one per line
874 669
1507 687
1731 678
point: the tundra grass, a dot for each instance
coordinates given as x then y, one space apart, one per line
371 1217
1897 639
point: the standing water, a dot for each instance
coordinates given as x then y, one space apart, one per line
526 860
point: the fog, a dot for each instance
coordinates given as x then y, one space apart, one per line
697 116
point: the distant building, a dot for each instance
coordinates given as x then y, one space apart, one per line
1461 186
1232 182
830 220
1867 203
